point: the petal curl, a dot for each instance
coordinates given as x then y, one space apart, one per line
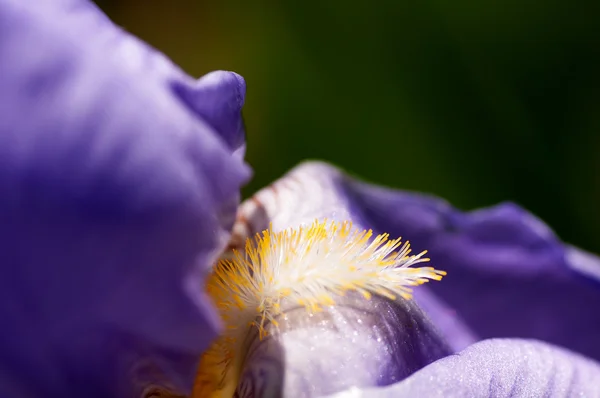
218 98
116 197
499 368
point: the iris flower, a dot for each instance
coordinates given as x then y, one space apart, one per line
120 178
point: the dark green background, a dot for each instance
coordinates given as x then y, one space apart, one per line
474 101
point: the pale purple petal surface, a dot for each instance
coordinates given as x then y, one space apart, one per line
498 368
119 179
356 342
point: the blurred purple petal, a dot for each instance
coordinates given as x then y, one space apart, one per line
498 368
117 196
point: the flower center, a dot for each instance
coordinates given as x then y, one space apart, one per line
308 266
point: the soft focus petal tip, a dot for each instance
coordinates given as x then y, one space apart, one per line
218 98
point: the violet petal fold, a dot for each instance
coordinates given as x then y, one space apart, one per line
498 368
117 196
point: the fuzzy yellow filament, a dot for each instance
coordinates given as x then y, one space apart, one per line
308 266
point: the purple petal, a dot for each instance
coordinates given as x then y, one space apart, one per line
499 368
117 196
218 98
508 274
357 342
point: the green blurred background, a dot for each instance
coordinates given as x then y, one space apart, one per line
474 101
